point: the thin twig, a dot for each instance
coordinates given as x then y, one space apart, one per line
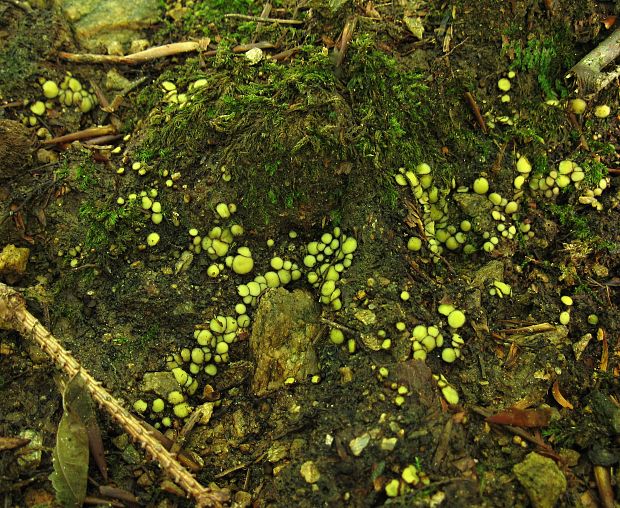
583 143
259 19
264 14
119 97
242 48
345 39
343 328
92 132
605 489
15 316
175 48
539 328
104 140
14 104
187 429
473 105
284 55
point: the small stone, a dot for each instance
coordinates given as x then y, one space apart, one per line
254 55
367 317
542 480
388 443
242 499
13 260
30 456
358 444
310 472
160 383
285 325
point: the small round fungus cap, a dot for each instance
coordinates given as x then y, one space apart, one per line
456 318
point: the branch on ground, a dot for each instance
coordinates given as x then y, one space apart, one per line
15 316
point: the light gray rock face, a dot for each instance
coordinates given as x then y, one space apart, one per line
281 340
100 24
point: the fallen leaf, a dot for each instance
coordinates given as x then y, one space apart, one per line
415 26
70 461
522 417
77 398
600 335
559 398
609 21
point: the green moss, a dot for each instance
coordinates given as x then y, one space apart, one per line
594 171
109 229
85 176
283 130
546 57
575 223
389 108
29 42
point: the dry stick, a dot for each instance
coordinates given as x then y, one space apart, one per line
242 48
264 14
259 19
15 316
103 140
473 105
92 132
575 124
347 35
141 56
539 328
605 489
287 53
588 71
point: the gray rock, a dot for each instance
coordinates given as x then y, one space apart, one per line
478 208
542 480
281 340
160 383
99 24
493 270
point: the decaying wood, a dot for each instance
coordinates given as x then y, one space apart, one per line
589 70
92 132
605 488
539 328
175 48
15 316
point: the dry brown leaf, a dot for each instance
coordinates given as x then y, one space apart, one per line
559 398
600 335
522 417
11 443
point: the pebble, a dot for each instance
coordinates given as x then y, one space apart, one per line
310 472
358 444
